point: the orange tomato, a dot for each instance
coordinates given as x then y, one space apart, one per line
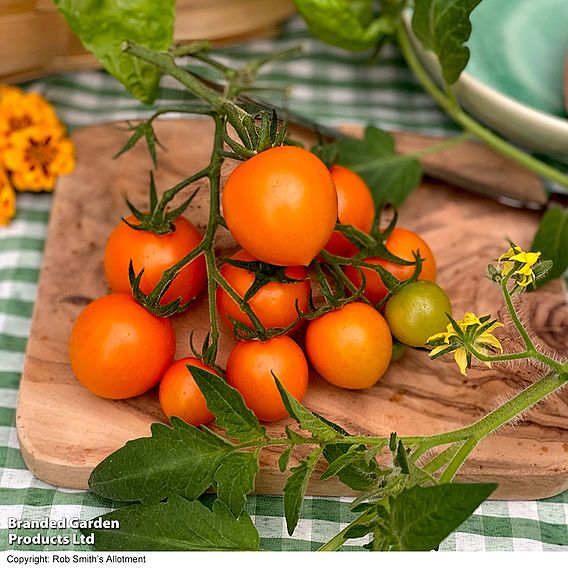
274 304
118 349
355 207
250 369
350 347
180 396
155 253
401 243
281 205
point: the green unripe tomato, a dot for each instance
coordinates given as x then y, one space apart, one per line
417 312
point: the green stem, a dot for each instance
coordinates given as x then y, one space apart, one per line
440 146
458 459
237 117
442 458
468 123
173 191
339 539
513 313
474 433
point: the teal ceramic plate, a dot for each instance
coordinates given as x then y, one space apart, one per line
514 79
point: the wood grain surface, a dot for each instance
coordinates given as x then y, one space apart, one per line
65 431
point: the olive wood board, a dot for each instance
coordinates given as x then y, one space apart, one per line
65 431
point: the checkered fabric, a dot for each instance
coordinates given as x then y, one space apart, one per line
330 86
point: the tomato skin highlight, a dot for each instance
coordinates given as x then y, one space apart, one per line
355 206
417 312
119 350
350 347
281 205
274 304
249 369
155 253
401 243
180 396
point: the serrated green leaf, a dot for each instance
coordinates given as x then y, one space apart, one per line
306 419
391 177
228 406
353 454
422 517
551 240
177 524
103 25
360 530
443 26
181 459
295 489
344 23
327 153
359 474
235 478
284 459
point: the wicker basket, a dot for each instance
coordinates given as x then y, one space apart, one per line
35 39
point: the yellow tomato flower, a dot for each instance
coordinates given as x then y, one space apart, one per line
7 199
19 110
527 260
481 340
37 155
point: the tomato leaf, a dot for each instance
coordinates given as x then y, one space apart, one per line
327 153
103 25
356 472
235 479
306 419
551 240
228 406
345 23
181 459
295 488
422 517
177 524
390 176
342 461
284 459
443 26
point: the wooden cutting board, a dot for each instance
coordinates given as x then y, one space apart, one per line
65 431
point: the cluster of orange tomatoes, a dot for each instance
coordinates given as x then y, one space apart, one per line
282 207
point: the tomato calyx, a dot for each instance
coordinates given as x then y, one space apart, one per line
152 301
336 294
208 352
159 220
264 273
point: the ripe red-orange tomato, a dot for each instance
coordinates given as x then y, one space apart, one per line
350 347
281 205
401 243
274 304
250 369
180 396
118 349
155 253
355 207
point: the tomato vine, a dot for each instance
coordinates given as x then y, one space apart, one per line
399 478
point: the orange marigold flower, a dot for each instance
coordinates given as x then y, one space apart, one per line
19 110
7 199
36 156
9 89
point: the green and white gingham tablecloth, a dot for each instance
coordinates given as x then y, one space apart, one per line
330 86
